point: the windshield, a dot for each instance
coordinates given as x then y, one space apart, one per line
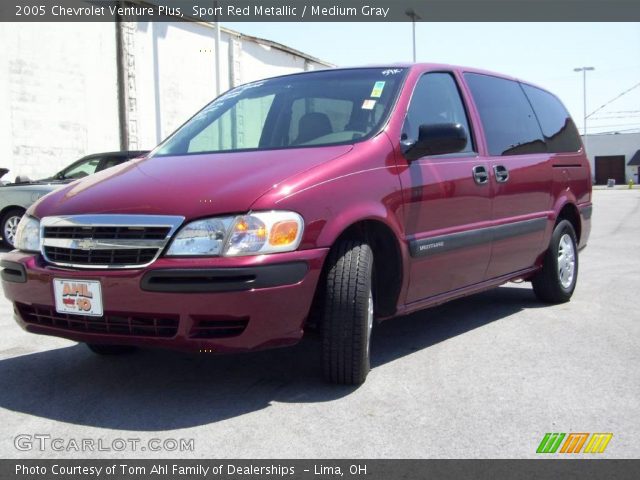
321 108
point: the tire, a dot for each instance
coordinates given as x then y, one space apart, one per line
8 225
348 313
110 349
556 281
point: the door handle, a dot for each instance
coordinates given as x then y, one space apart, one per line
480 175
502 174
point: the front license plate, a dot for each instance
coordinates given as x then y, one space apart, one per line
78 297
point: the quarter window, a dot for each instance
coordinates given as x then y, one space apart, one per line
435 100
510 125
558 128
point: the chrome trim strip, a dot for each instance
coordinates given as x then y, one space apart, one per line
108 220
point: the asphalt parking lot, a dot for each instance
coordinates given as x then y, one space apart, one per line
482 377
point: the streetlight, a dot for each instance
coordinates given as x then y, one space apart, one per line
413 16
584 71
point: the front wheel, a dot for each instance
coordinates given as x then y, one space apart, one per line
9 224
348 313
556 281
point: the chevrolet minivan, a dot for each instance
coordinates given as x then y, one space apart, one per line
332 198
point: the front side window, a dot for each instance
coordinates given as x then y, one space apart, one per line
510 126
436 100
321 108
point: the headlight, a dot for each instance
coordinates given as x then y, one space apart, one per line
202 237
28 235
252 234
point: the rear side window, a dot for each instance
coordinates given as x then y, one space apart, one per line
510 125
558 128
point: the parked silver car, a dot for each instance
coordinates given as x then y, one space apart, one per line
16 197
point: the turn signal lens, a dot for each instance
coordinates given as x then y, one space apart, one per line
283 233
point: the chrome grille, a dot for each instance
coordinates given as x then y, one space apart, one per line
106 241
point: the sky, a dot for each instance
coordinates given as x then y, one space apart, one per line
541 53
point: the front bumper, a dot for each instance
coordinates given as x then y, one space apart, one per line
218 304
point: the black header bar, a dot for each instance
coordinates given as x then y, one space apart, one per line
122 469
320 10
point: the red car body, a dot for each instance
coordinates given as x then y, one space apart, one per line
407 207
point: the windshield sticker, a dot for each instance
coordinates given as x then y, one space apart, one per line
377 90
368 104
391 71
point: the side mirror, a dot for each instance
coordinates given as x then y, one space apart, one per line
436 139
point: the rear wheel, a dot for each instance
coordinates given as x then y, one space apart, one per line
9 224
110 349
556 281
348 313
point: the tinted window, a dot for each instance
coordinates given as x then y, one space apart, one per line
319 108
436 99
510 126
558 128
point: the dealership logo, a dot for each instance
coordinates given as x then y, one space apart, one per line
573 442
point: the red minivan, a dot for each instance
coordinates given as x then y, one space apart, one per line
343 196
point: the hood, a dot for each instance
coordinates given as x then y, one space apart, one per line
192 186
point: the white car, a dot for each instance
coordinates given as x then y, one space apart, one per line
16 197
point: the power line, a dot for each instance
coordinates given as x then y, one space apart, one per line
617 125
626 130
614 99
623 111
611 117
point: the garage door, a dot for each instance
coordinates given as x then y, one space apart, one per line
610 167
